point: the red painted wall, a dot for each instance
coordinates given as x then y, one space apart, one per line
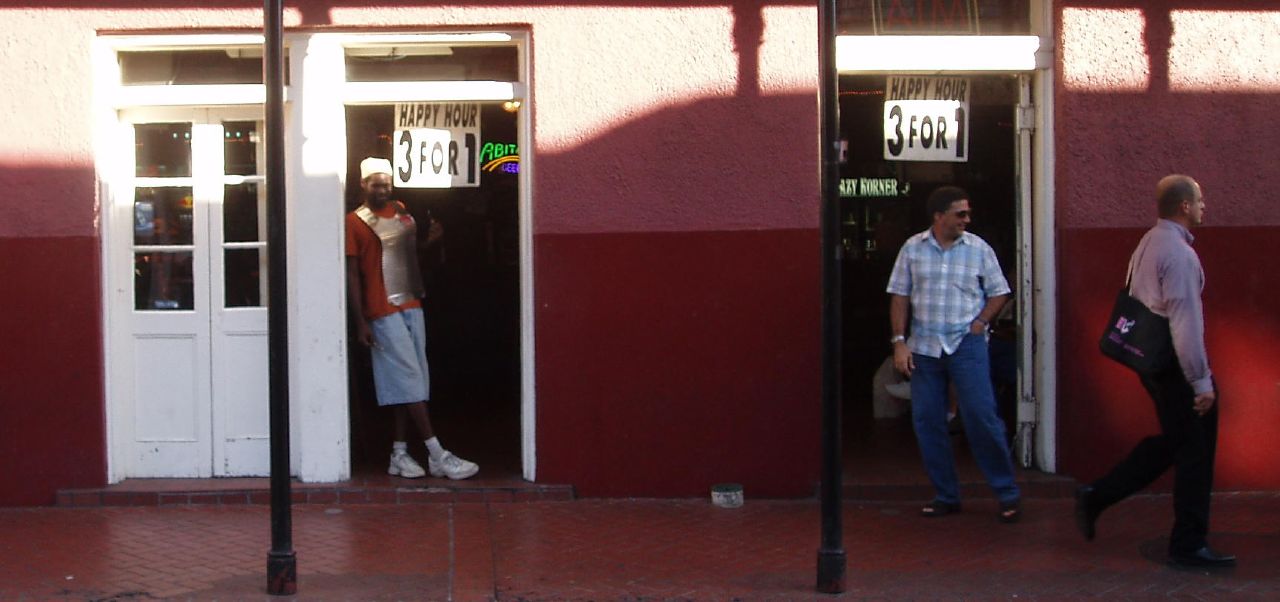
52 421
1188 87
669 362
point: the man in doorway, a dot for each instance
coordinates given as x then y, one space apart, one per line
950 283
1168 279
384 286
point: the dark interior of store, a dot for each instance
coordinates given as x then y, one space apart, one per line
472 306
878 215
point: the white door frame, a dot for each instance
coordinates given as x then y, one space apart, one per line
209 324
324 153
238 335
185 447
316 173
1031 55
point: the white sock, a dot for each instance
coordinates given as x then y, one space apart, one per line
434 448
399 447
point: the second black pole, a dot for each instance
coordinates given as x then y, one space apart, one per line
282 562
831 555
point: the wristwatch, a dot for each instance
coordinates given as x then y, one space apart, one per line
897 338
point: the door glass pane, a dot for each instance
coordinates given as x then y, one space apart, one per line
240 141
163 150
162 280
246 272
231 65
240 213
162 216
433 62
888 17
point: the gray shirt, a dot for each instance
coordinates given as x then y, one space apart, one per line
1168 279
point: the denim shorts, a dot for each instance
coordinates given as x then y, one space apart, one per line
399 355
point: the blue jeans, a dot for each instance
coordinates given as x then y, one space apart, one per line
969 370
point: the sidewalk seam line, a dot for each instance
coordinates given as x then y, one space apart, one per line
453 555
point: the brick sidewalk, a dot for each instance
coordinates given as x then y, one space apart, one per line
624 550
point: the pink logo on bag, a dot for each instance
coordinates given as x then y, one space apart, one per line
1124 325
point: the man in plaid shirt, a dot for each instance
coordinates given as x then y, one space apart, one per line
950 283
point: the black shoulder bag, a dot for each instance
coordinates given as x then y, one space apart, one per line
1135 336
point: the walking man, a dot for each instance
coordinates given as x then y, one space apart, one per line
384 286
1168 279
950 283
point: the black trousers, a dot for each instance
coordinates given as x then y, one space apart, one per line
1187 442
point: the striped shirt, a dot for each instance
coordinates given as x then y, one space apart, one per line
1168 279
948 289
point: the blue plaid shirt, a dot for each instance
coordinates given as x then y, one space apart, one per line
948 289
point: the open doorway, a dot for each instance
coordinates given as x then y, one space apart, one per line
882 203
472 303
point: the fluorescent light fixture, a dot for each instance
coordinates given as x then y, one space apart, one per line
182 42
938 53
385 92
389 50
409 39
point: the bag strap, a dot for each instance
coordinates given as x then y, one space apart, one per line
1135 259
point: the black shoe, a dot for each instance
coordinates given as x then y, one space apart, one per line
1204 557
938 508
1086 517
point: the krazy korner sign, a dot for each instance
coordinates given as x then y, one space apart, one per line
437 145
926 118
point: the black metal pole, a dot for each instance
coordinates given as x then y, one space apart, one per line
282 562
831 556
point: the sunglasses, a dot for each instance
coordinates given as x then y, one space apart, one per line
962 213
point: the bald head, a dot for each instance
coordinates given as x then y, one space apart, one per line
1172 191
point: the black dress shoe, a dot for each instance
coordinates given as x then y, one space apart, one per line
1086 517
1204 557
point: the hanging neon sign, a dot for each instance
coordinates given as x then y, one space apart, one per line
496 156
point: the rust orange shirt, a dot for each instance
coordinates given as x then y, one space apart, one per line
364 245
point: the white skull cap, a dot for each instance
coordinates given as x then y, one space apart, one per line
373 165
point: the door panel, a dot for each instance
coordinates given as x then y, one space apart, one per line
169 326
198 316
166 388
171 408
241 404
238 279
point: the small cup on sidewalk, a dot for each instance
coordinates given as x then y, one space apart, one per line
726 495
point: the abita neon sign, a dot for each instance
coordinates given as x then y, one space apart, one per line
496 155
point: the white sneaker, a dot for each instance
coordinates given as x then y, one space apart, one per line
452 466
403 465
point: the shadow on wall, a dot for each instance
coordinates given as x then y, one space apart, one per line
720 164
677 261
1184 106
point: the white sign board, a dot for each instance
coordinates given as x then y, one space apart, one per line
437 145
926 118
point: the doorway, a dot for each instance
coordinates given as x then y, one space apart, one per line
189 303
883 202
472 304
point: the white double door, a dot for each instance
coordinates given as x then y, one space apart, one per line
188 295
